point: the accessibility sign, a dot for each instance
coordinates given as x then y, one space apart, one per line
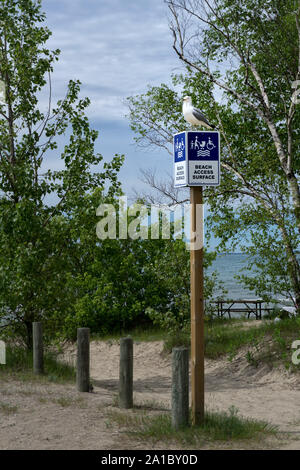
180 160
197 158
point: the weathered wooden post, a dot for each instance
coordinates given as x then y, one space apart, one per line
38 353
197 308
180 387
2 352
197 165
83 360
126 373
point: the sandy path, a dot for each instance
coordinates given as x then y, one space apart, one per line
51 416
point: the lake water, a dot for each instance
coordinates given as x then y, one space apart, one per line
228 265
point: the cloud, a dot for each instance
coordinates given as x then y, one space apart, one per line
114 48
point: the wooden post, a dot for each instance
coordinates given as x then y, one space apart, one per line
83 360
2 352
197 310
126 373
38 354
180 387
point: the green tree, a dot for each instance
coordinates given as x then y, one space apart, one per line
37 204
114 281
242 67
119 282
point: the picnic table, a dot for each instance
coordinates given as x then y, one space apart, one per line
239 306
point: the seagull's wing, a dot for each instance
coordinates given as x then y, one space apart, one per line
198 115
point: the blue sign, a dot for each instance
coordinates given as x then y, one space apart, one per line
179 147
180 160
197 158
203 145
203 158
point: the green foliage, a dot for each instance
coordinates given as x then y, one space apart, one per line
226 337
271 249
278 350
241 78
173 271
19 363
38 206
269 342
228 425
122 284
251 359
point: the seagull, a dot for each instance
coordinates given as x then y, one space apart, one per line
193 115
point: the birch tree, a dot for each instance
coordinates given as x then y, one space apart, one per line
242 67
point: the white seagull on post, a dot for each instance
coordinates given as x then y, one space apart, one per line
193 115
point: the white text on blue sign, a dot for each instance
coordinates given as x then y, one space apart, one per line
197 158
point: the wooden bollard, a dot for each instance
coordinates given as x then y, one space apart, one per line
2 352
180 387
38 353
126 373
83 360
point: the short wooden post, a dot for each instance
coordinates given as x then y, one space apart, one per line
2 352
180 387
38 353
83 360
126 373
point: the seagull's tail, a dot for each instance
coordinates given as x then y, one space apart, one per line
207 124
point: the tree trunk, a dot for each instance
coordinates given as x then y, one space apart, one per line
293 267
295 197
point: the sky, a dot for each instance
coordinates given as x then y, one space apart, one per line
116 48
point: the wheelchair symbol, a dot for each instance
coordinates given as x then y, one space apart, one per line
210 145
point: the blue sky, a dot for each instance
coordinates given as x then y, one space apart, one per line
115 48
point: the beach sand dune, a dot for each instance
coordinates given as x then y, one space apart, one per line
52 416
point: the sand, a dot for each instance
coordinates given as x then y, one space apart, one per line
52 416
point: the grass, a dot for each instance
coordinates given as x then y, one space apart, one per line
141 405
268 342
222 336
276 349
147 333
217 426
64 401
7 409
69 401
19 362
226 337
